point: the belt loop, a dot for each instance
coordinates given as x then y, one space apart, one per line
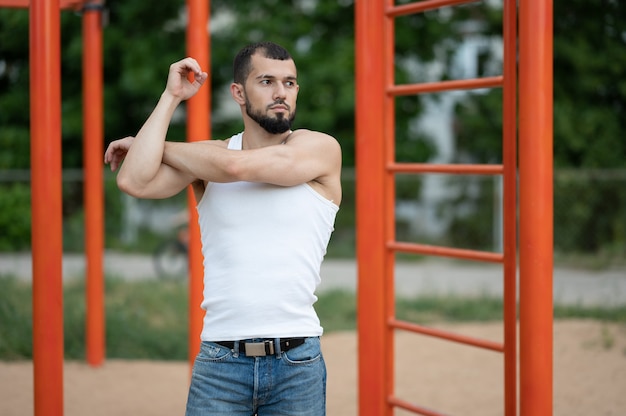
236 349
277 350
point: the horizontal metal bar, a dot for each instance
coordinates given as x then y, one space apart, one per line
422 6
394 401
476 169
457 84
447 335
458 253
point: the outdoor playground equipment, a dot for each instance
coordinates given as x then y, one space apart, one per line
376 170
375 220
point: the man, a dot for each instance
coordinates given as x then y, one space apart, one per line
267 200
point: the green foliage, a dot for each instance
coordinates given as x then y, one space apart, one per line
343 238
147 319
141 40
595 223
337 310
479 135
14 217
589 86
472 229
320 37
16 139
589 118
143 320
113 209
425 310
589 92
16 324
589 231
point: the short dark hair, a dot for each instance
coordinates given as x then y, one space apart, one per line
242 64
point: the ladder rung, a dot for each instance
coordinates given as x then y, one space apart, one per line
459 253
456 84
423 6
476 169
447 335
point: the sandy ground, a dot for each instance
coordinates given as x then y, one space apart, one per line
589 376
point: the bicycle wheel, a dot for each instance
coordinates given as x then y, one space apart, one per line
170 260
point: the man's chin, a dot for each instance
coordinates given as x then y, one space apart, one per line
275 125
275 129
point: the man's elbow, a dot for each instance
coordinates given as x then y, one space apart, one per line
128 186
233 170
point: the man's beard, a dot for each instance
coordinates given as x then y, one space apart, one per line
272 125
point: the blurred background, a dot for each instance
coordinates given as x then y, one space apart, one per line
141 40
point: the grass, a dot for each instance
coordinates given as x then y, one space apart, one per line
144 320
148 319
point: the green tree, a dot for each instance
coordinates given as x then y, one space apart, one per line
137 51
320 36
141 40
589 84
589 91
589 118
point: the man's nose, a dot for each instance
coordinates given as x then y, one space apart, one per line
280 91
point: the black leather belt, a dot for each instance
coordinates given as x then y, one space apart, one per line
263 348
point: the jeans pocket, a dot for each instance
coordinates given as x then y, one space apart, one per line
212 352
308 353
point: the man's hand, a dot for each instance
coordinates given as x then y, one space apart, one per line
116 152
178 84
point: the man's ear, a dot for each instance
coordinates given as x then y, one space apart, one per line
238 93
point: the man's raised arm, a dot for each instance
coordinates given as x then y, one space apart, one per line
143 174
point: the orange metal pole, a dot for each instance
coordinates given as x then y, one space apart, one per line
452 85
536 207
422 6
370 167
447 335
389 199
46 206
93 187
458 253
23 4
198 128
509 180
455 168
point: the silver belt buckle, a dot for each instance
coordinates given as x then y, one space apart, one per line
259 349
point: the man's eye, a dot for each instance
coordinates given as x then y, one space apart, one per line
265 82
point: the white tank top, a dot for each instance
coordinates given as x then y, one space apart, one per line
263 246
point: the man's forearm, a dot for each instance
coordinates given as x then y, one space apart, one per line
203 160
145 156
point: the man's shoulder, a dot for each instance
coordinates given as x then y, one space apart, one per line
312 134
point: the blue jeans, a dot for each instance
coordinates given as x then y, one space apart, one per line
226 382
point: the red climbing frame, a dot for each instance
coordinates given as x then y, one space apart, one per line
375 198
46 179
376 170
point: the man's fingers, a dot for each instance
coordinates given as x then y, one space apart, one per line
117 150
193 65
187 65
200 78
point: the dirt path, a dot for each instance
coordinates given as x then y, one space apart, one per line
589 377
